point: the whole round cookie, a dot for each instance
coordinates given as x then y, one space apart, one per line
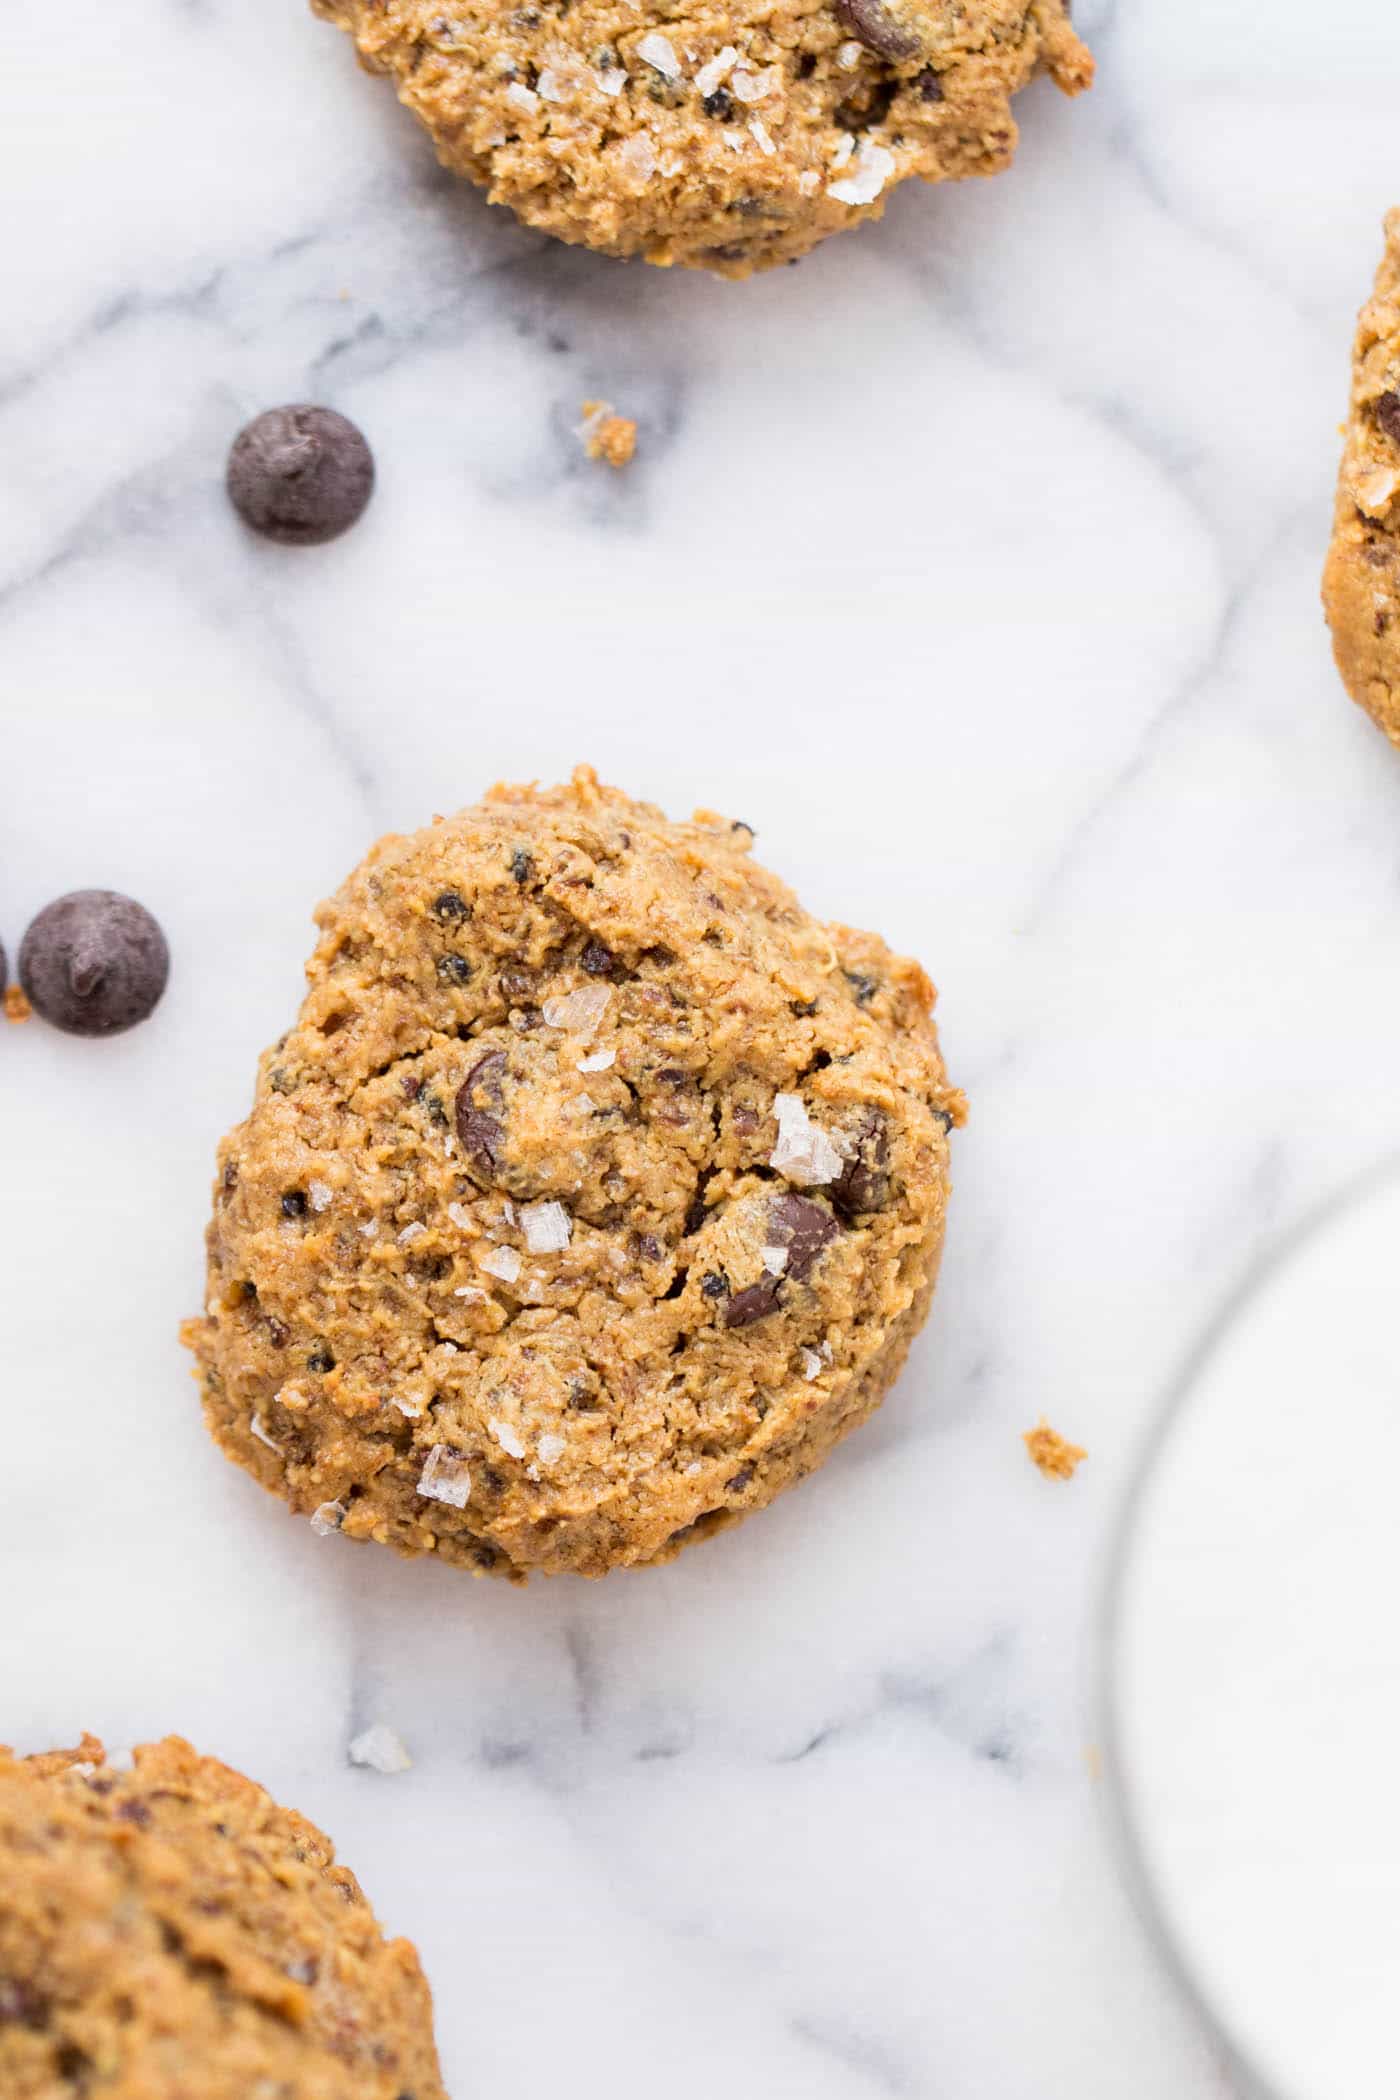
729 137
1361 584
169 1930
596 1192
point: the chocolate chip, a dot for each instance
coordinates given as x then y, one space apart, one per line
449 907
929 85
320 1360
521 865
714 1285
878 28
649 1247
1388 416
804 1228
755 1303
598 960
134 1812
21 2005
94 963
294 1204
454 969
863 988
410 1087
719 105
300 475
740 1481
802 1009
863 1184
480 1131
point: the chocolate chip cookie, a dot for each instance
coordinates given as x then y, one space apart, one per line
168 1930
725 137
1361 584
596 1192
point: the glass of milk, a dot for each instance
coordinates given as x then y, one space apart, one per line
1254 1665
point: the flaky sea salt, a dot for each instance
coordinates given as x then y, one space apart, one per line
638 156
551 86
871 169
811 1365
506 1437
328 1518
508 1211
804 1153
580 1012
261 1432
318 1195
546 1227
845 147
848 57
501 1261
611 80
550 1447
470 1292
694 1466
597 1061
460 1216
734 140
411 1404
759 131
522 98
660 52
412 1232
754 87
369 1230
775 1259
380 1749
809 182
445 1478
715 71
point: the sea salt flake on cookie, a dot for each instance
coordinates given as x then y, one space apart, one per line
715 71
804 1153
506 1437
597 1061
775 1259
262 1433
328 1518
546 1227
318 1195
412 1232
871 169
446 1478
550 1447
659 52
501 1261
580 1012
522 98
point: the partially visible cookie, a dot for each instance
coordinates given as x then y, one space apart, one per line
1361 585
596 1192
168 1930
729 136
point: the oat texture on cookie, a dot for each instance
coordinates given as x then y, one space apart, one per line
725 136
596 1192
1361 585
166 1929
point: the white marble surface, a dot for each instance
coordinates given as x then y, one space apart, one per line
975 563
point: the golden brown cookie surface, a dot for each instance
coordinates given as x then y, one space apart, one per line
169 1931
597 1191
1361 586
729 136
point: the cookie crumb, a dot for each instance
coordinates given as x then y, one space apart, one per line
1051 1453
17 1006
381 1750
607 435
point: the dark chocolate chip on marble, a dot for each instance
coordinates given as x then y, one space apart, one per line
94 963
804 1228
756 1303
480 1131
300 475
878 28
1388 416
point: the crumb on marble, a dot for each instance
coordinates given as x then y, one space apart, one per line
17 1006
607 435
1056 1458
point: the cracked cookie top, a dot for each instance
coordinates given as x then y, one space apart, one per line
596 1190
166 1929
